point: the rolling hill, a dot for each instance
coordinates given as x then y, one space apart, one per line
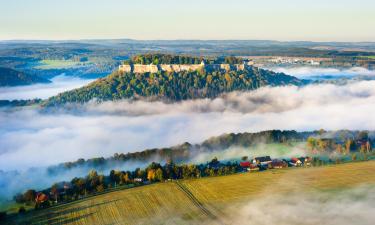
11 77
205 200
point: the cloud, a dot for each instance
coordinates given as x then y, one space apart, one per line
306 72
59 84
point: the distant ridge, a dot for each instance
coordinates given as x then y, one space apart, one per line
11 77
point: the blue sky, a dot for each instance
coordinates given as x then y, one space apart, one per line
318 20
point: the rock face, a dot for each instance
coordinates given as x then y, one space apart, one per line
139 68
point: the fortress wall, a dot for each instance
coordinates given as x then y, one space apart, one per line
226 67
145 68
191 67
240 67
125 68
138 68
166 67
176 67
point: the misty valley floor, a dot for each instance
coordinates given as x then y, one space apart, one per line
239 198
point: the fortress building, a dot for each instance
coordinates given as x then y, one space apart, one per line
139 68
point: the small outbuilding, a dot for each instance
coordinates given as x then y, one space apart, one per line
264 160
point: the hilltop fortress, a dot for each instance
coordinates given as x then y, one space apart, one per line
152 68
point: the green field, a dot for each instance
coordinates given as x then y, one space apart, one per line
58 64
368 57
197 200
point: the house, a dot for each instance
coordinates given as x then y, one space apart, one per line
264 160
253 167
307 161
248 166
41 201
41 198
138 179
278 164
66 186
245 165
295 162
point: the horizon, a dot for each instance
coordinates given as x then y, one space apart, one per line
197 40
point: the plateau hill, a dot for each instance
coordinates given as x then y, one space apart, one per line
173 85
11 77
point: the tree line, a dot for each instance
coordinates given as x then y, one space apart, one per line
184 152
156 59
93 183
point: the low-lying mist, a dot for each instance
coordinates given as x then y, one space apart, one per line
59 84
342 207
31 137
42 177
306 72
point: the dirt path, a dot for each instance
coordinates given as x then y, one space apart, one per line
196 202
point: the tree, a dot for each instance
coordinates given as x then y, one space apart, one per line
151 175
362 136
339 149
209 79
55 192
350 146
2 216
159 174
21 210
29 195
321 131
100 188
365 158
311 143
354 157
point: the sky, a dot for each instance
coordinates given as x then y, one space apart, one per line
287 20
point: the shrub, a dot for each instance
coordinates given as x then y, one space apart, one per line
21 210
2 216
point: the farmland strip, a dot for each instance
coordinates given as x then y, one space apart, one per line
197 202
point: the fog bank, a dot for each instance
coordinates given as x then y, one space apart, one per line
59 84
28 135
344 207
306 72
34 138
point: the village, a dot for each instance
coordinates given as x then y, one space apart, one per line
57 193
265 162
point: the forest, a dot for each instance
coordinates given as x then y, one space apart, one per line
11 77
